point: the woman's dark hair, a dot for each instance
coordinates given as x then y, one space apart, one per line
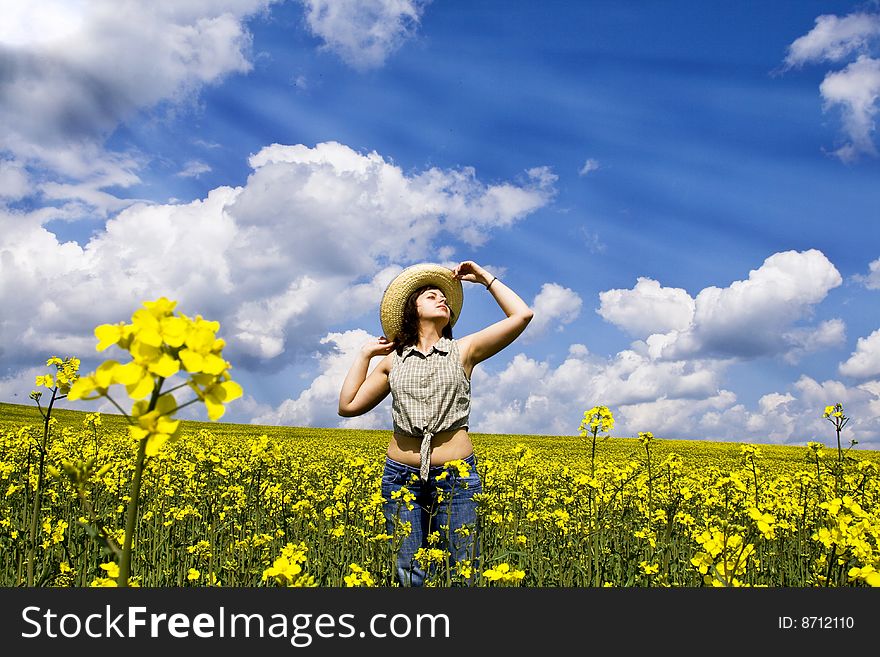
409 327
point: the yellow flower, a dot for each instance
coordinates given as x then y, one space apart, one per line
201 352
463 467
598 418
45 380
95 385
702 561
110 334
358 577
764 522
216 393
649 568
427 555
160 307
282 569
504 573
193 574
287 571
112 569
154 426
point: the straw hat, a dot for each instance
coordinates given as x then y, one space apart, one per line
411 279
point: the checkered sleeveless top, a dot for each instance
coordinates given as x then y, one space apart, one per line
430 393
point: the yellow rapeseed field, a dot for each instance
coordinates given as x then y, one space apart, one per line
245 505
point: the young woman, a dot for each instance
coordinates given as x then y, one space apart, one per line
428 374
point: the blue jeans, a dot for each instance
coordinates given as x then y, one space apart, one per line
456 509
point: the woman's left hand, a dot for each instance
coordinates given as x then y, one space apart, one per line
468 270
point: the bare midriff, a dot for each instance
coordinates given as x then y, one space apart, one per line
445 446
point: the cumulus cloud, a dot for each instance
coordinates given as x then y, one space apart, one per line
74 71
834 38
757 317
872 279
364 33
532 396
554 305
310 241
647 309
795 417
673 399
830 333
317 405
13 180
748 319
855 88
865 360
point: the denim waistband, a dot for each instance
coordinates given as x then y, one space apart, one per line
470 460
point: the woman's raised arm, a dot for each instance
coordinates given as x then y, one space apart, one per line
361 393
489 341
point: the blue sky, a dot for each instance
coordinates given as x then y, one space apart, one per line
682 191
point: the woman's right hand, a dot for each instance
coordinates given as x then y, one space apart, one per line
377 347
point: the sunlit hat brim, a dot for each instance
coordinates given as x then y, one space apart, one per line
411 279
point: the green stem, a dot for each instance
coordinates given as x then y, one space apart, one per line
131 513
755 475
593 457
38 495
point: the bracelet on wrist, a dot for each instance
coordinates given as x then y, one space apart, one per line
494 278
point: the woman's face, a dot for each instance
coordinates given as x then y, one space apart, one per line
432 304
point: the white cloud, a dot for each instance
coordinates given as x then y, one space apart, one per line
872 280
589 166
855 88
194 169
13 180
673 400
303 246
861 403
830 333
865 360
647 309
756 317
317 405
29 23
834 38
364 32
796 416
553 305
530 396
772 401
75 71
